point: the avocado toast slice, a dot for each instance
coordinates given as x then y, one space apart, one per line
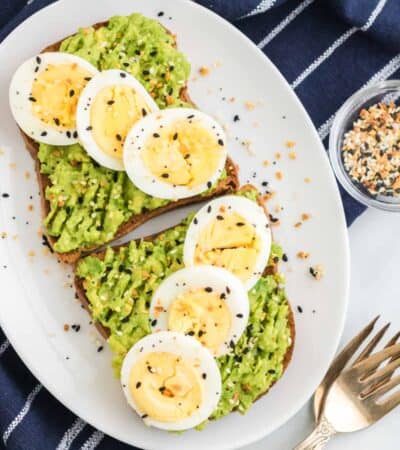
116 286
85 206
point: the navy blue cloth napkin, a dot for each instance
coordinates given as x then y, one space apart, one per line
326 49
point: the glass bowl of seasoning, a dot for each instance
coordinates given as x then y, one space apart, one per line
364 145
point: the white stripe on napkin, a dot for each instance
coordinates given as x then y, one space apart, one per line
71 434
374 15
327 53
389 69
4 346
339 42
265 5
24 411
284 23
93 441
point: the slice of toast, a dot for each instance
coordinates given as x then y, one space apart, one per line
271 269
227 185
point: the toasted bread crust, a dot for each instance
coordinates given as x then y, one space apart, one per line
229 184
81 294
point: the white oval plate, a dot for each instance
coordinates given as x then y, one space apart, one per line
36 298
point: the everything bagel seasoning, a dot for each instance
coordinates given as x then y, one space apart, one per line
371 150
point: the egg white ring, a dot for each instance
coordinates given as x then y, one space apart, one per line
142 176
103 80
20 92
250 211
199 277
194 354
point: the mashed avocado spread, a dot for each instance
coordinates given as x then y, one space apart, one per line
120 286
88 203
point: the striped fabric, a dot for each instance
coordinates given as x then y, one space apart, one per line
326 49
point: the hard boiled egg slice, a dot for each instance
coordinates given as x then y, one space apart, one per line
44 93
171 381
230 232
175 153
112 102
205 302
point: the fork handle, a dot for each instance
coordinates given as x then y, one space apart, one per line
319 437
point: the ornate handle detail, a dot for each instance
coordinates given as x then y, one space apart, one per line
319 437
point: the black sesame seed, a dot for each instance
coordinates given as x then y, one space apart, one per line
175 137
156 135
240 316
191 116
110 102
89 128
299 309
154 322
219 217
220 142
160 14
118 137
191 333
240 224
71 93
236 118
165 175
56 121
68 133
195 221
222 296
99 349
208 289
43 133
122 74
209 184
75 134
32 99
38 59
285 258
204 376
87 78
138 384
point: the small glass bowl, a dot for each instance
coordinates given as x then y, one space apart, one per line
382 92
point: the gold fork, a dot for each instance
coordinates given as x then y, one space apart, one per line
345 356
352 399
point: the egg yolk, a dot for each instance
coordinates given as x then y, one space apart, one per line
114 111
231 242
183 154
165 387
203 314
55 94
